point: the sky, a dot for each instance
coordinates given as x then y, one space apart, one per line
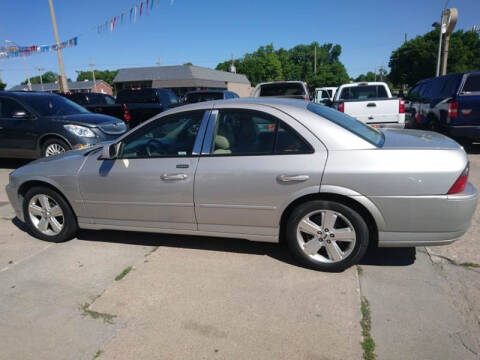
206 32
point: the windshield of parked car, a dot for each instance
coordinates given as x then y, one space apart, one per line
472 84
363 92
199 97
100 99
282 89
360 129
54 105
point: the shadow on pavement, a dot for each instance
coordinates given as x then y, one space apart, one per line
472 149
13 163
389 256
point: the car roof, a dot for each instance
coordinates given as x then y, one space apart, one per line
27 93
207 91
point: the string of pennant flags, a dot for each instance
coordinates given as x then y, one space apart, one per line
129 15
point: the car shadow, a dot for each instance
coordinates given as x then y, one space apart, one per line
13 163
389 256
473 149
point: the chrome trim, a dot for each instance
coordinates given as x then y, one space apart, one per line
197 146
207 142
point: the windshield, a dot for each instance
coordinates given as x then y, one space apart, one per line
54 105
360 129
282 89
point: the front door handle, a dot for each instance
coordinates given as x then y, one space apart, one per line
292 178
173 177
371 105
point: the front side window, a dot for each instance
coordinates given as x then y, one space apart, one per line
249 132
54 105
171 136
472 85
8 107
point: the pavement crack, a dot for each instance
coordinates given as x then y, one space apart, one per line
467 265
460 337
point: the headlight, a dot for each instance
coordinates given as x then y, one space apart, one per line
80 130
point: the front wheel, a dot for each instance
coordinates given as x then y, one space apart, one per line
54 147
327 235
48 215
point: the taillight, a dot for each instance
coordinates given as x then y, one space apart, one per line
418 118
453 109
401 106
341 107
126 113
461 182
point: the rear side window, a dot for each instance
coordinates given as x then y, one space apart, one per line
472 84
290 142
363 92
360 129
282 89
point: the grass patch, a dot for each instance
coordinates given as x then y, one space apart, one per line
97 354
359 270
470 264
107 318
123 273
368 345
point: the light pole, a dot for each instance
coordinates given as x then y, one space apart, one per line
40 69
29 84
63 79
92 65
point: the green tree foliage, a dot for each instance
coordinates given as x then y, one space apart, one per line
297 63
417 59
369 76
48 77
2 85
105 75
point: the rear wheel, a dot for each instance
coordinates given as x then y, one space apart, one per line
54 147
48 215
327 235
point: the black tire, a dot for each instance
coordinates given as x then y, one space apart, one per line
54 141
70 225
356 220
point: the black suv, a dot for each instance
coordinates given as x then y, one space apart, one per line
449 103
191 97
34 124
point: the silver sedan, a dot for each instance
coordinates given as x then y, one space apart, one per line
258 169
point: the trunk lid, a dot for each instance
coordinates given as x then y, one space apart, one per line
417 139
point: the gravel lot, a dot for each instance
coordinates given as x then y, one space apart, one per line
196 297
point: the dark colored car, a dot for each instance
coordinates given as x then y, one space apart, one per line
100 103
33 125
449 103
207 95
144 103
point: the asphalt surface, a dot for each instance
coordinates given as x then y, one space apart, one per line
197 297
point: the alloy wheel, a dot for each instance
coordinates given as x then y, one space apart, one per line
326 236
54 149
46 215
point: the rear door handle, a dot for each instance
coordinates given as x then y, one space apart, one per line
292 178
371 105
173 177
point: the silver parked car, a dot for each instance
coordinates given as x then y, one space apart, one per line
258 169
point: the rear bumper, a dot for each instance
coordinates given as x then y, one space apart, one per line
433 220
388 125
466 132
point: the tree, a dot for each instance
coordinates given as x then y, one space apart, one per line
2 85
297 63
417 59
48 77
105 75
369 76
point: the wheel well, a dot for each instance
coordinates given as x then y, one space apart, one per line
23 189
44 139
362 210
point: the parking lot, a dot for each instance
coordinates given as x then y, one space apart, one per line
120 295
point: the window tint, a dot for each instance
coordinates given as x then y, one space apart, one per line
289 142
54 105
8 107
360 129
170 136
282 89
137 96
450 85
472 84
207 96
168 97
363 92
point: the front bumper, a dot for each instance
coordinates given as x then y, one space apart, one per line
15 200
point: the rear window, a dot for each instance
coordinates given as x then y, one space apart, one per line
199 97
137 96
373 136
100 99
472 84
363 92
282 89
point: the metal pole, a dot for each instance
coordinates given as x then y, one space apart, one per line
445 54
439 53
93 76
63 79
315 56
40 69
29 84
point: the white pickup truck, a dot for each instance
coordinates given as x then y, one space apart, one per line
371 103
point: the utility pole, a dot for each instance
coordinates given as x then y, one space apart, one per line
405 38
63 79
159 63
315 59
451 16
40 69
92 65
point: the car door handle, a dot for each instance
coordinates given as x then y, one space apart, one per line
173 177
371 105
292 178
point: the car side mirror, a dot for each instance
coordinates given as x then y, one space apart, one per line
20 114
110 151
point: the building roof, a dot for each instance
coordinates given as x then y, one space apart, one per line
72 85
177 72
